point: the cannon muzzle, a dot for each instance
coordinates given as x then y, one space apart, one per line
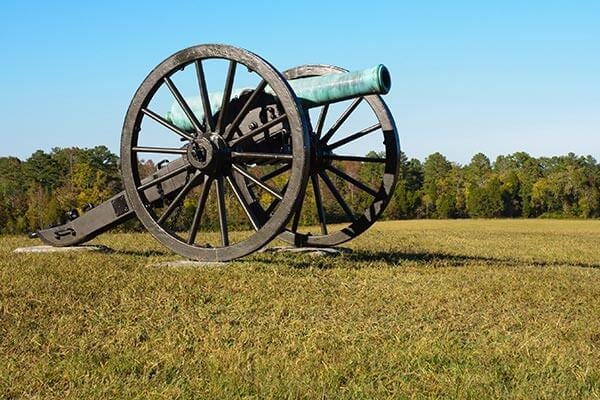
312 92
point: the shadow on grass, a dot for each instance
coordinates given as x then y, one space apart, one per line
362 258
144 253
456 260
429 259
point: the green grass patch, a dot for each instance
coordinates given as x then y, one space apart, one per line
451 309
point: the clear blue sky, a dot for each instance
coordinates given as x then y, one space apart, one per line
468 76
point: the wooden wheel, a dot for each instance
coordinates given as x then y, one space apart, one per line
213 146
337 157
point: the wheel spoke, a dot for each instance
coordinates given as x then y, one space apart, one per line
149 182
258 130
238 119
275 202
182 103
319 202
276 172
199 210
166 124
355 136
210 125
338 157
235 156
226 96
222 212
274 192
352 180
272 206
321 120
272 174
337 195
160 150
341 120
182 193
245 206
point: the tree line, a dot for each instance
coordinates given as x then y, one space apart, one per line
36 193
513 186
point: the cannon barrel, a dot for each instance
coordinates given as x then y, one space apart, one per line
331 88
312 92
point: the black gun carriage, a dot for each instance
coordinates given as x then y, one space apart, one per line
257 136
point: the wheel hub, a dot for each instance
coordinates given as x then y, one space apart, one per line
209 155
318 156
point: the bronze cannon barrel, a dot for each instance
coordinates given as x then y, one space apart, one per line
326 89
312 92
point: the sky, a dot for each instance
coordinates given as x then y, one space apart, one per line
467 76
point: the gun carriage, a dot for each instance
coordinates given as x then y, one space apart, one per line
257 136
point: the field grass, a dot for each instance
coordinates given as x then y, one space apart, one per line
451 309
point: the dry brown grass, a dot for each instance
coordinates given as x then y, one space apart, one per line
456 309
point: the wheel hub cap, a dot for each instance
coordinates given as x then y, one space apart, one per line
209 155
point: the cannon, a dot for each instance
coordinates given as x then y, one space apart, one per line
270 146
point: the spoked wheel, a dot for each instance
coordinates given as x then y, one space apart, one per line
348 188
187 161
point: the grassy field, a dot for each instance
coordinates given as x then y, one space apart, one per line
451 309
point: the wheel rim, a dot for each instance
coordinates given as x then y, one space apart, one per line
216 155
329 142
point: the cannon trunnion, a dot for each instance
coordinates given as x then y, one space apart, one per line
217 168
